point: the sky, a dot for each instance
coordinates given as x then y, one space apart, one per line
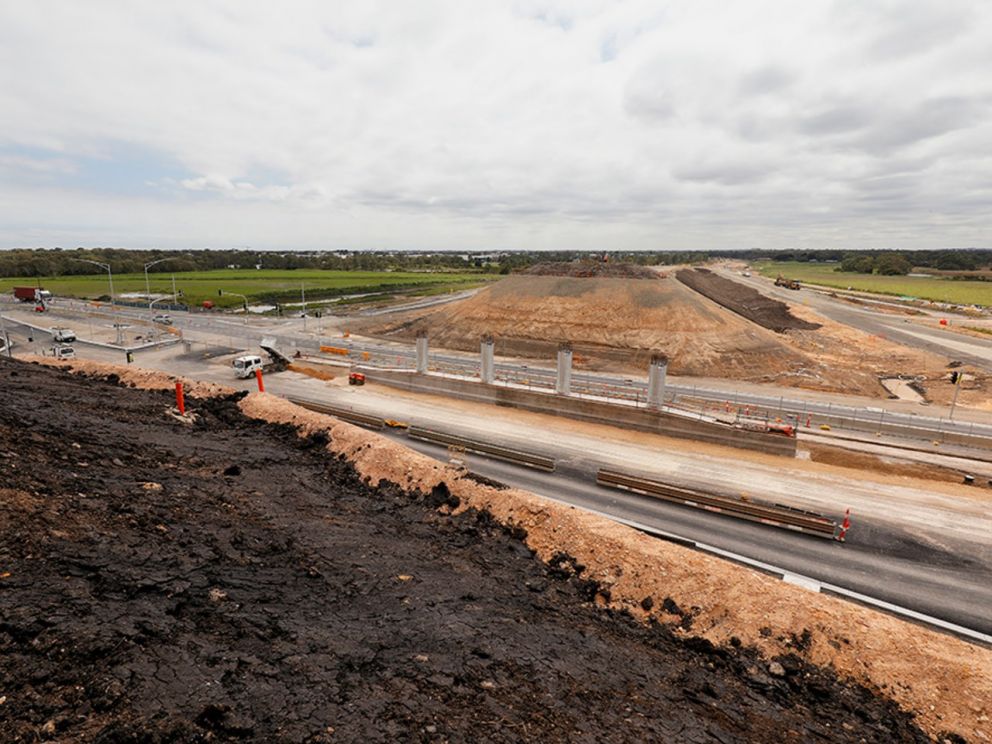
482 125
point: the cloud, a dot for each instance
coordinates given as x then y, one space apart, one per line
525 123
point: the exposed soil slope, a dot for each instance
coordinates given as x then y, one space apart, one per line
229 581
618 321
590 269
743 300
617 324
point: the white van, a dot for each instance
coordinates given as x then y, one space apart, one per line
245 366
63 335
63 352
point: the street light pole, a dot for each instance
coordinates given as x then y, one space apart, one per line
113 304
244 299
303 297
148 286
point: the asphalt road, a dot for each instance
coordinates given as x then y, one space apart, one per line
876 560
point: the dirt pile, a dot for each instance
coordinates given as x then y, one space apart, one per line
616 324
591 269
228 580
609 322
743 300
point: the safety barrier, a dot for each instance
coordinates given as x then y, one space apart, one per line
776 516
500 453
352 417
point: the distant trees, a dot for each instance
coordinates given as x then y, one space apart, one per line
889 264
39 262
892 264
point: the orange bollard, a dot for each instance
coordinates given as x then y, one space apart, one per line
180 399
845 526
258 378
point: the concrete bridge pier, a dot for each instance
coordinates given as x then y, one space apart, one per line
564 383
488 368
656 380
422 352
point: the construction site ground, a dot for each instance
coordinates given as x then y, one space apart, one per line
617 323
225 579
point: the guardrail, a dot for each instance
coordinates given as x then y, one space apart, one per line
776 516
527 459
352 417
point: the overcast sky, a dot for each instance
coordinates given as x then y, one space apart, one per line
475 124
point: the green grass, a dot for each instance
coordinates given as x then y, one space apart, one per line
959 292
258 286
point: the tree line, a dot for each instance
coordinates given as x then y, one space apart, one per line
46 262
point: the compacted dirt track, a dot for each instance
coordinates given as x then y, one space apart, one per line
228 580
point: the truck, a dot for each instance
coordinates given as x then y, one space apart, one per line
32 294
781 281
245 366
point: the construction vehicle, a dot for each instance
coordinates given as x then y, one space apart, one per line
356 378
781 281
245 366
32 294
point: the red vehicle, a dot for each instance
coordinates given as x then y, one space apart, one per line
356 378
39 308
31 294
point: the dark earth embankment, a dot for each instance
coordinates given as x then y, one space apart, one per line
591 269
231 581
743 300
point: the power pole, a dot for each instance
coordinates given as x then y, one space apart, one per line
303 297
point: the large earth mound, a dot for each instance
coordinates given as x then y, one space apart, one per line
616 324
612 320
590 269
230 581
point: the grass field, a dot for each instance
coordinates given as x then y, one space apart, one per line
927 288
258 286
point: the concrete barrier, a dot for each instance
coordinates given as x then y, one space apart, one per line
583 409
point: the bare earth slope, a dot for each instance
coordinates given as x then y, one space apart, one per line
230 581
616 323
620 320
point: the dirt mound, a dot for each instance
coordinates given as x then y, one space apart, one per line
585 269
618 322
230 581
745 301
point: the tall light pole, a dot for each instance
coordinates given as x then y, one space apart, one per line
110 279
303 297
222 292
148 287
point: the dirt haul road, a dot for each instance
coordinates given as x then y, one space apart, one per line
228 580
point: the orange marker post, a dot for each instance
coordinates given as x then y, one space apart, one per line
258 378
845 526
180 399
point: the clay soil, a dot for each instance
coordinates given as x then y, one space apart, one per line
610 322
227 580
743 300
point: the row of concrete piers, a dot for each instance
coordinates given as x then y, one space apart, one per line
563 386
